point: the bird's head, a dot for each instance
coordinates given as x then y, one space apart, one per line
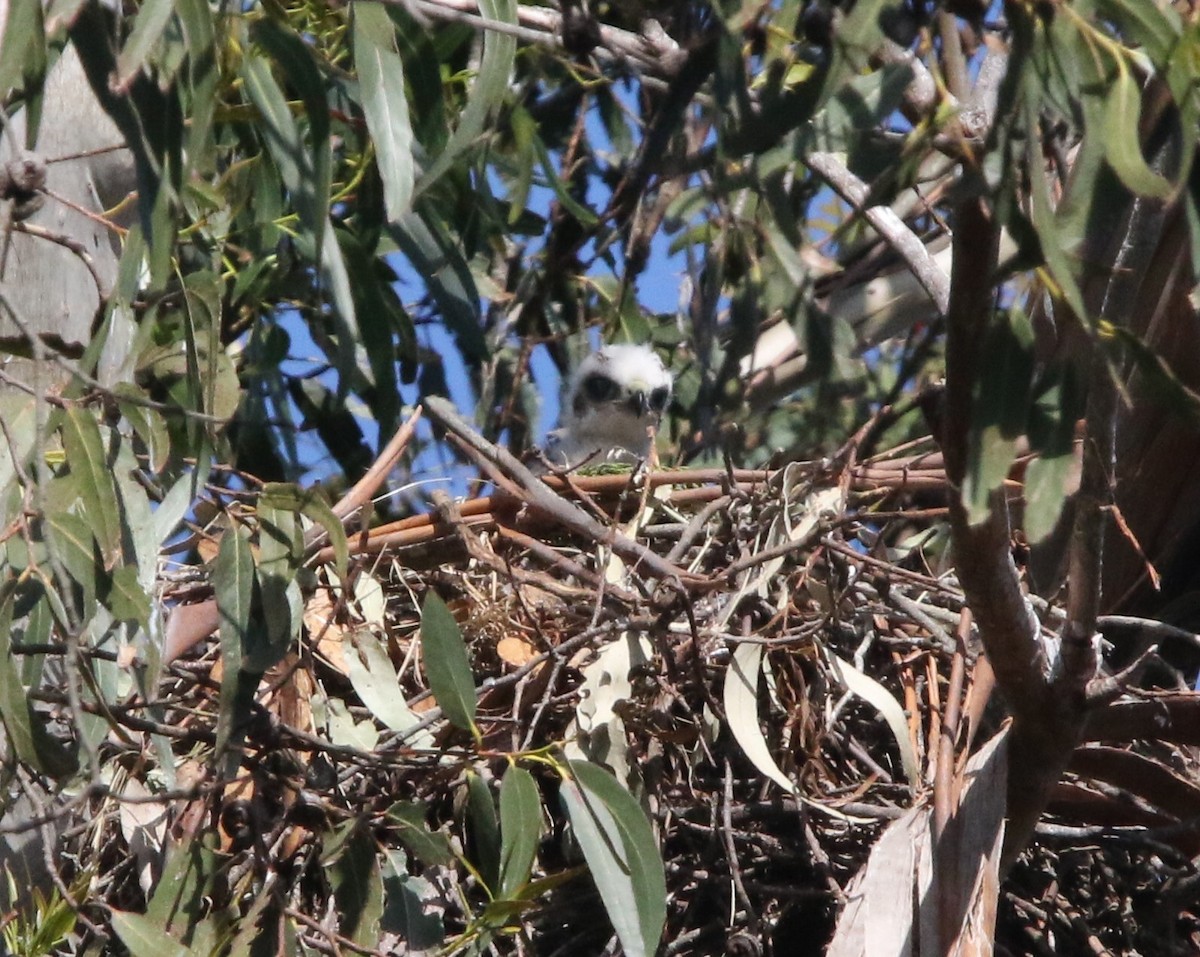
626 379
615 396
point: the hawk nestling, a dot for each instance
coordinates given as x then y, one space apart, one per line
616 396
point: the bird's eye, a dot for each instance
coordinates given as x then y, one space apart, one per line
600 388
659 397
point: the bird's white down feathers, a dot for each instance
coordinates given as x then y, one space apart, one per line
615 397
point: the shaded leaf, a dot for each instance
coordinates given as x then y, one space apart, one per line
233 584
483 828
407 912
86 456
358 888
1000 409
432 847
446 663
520 829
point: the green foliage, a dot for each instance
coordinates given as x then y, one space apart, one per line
447 665
44 926
333 199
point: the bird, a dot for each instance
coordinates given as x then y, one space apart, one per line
616 398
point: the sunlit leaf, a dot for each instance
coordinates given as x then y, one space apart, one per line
741 711
622 854
145 938
23 49
1122 112
385 104
149 23
375 682
883 701
489 89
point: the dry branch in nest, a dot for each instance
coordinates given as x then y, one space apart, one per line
778 665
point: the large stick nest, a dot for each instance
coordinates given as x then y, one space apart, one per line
352 823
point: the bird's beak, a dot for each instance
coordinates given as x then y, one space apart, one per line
639 401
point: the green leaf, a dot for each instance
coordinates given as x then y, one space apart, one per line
311 504
585 216
483 828
1063 270
149 23
23 50
381 316
1000 409
85 454
145 938
126 598
1052 437
296 160
336 278
14 705
358 889
385 104
425 240
233 583
431 847
740 698
375 682
1156 29
407 913
520 829
1122 112
178 901
146 423
447 666
73 546
489 89
20 413
204 76
280 555
622 853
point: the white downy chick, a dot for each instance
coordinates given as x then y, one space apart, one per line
614 398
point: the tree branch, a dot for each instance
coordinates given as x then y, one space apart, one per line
890 226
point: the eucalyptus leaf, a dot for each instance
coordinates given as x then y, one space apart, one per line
622 854
144 938
86 455
447 665
1122 113
385 103
520 829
